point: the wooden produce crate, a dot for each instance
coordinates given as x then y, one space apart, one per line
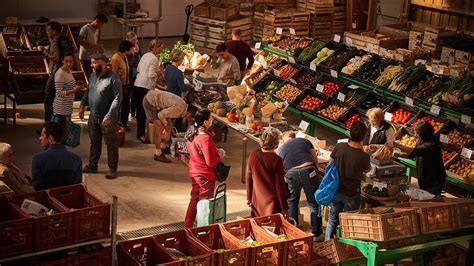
36 35
339 22
321 26
258 25
368 224
223 11
337 252
13 42
320 6
363 39
298 246
145 251
433 217
465 210
203 10
28 65
435 37
285 19
458 175
415 40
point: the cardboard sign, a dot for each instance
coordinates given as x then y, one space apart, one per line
388 116
370 47
341 96
303 125
353 87
276 72
435 109
466 119
409 101
258 45
337 38
292 31
348 41
312 66
443 138
420 61
279 31
399 57
195 73
320 88
466 153
291 59
334 73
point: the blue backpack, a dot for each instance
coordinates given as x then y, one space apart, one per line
328 186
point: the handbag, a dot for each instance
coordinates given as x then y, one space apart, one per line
221 171
73 131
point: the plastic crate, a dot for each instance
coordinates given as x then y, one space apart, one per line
350 113
337 252
57 262
465 210
270 252
91 215
212 237
316 260
397 105
303 96
16 230
185 243
373 100
51 230
368 224
99 257
299 245
145 251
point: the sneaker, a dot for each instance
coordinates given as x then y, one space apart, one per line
319 238
161 158
89 169
166 150
111 174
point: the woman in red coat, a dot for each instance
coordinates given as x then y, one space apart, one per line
203 157
266 187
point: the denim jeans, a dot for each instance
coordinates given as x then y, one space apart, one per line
97 132
339 204
306 178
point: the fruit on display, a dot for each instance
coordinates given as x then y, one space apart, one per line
375 191
310 52
406 77
288 71
275 64
310 103
330 87
333 111
266 93
322 55
459 139
301 43
288 93
355 117
307 79
447 155
424 87
233 117
38 38
355 63
269 58
282 237
272 39
282 43
387 76
256 126
255 77
437 126
407 141
401 116
372 68
462 168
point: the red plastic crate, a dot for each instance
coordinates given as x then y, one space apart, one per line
57 262
91 215
51 230
299 245
16 230
99 257
270 252
185 243
212 237
145 251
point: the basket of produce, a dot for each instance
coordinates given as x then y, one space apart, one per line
435 121
356 62
337 252
433 217
461 169
351 96
325 53
306 79
465 210
273 38
265 250
331 110
330 85
297 244
377 193
255 77
379 224
424 87
37 36
387 76
448 154
310 52
372 69
288 93
350 116
405 138
227 252
456 93
373 100
145 251
29 65
267 92
459 137
339 58
401 114
309 101
287 71
408 77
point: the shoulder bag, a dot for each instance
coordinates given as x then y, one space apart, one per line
221 171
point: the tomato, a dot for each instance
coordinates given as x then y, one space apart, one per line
253 125
231 117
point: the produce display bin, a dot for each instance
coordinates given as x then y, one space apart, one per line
50 230
223 11
329 102
268 252
373 100
13 41
344 119
425 115
337 252
306 79
312 93
91 215
16 230
465 210
228 252
369 224
297 247
145 251
99 257
414 112
296 90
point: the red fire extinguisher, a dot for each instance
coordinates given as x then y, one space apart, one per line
355 21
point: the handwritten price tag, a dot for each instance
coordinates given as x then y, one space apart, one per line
388 116
293 81
466 153
258 45
312 66
435 68
348 41
198 84
420 61
466 119
370 47
353 87
341 97
303 125
292 31
195 73
380 185
276 72
279 31
291 59
399 57
409 101
435 109
337 38
444 138
334 73
454 73
382 51
320 88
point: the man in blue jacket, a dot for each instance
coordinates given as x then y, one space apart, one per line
55 166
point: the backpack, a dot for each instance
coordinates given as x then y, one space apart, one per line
64 45
328 186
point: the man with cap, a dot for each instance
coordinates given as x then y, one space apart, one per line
103 97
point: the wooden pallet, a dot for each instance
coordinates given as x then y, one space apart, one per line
415 40
361 39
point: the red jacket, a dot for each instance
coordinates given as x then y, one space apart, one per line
199 166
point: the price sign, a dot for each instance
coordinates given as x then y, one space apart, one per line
292 31
451 60
466 153
342 140
380 185
276 72
444 138
182 68
337 38
258 45
388 117
341 97
303 125
264 63
198 84
293 81
382 51
454 73
348 41
312 66
353 87
435 109
466 119
195 73
300 135
399 57
420 61
409 101
265 120
291 59
370 47
279 31
354 26
435 68
320 88
334 73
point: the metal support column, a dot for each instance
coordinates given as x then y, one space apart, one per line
244 159
113 239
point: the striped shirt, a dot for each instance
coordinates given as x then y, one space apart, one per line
63 81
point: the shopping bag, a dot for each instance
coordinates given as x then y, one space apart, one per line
214 210
74 135
329 185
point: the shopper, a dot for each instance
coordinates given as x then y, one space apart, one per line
66 88
380 132
300 161
88 37
242 51
352 162
160 107
10 174
174 77
203 157
121 68
55 166
133 60
428 156
104 96
266 188
147 76
229 69
53 29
